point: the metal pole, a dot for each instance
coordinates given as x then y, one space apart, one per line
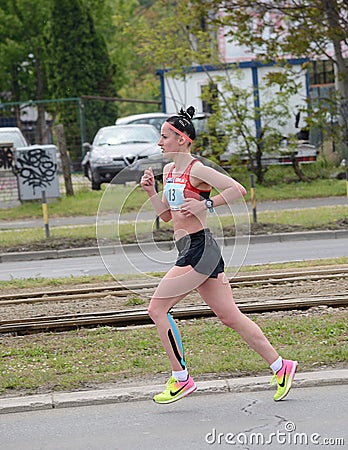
253 197
45 214
81 108
347 178
157 218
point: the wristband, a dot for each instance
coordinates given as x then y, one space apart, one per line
209 203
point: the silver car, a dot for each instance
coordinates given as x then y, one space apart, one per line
157 118
121 153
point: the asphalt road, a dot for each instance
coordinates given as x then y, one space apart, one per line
309 418
152 260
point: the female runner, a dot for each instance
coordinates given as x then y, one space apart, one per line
186 201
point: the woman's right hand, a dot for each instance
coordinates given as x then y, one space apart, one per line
147 181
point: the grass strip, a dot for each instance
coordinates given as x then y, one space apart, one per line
88 357
133 198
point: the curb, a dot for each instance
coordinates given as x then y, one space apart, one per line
136 393
167 245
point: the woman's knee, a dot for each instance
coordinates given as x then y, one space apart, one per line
157 310
153 312
231 319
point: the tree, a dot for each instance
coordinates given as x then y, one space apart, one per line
79 64
23 73
238 115
185 34
116 21
313 28
136 77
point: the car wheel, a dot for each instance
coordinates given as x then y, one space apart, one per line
96 186
88 172
95 183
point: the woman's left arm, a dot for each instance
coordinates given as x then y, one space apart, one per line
229 189
201 176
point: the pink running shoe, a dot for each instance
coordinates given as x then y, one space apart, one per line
175 390
284 378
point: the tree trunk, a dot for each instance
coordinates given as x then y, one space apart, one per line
59 129
297 169
259 170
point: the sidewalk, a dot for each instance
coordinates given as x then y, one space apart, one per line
146 392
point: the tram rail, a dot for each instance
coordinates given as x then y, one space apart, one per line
125 289
123 318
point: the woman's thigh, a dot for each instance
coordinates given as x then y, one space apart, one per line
217 294
173 287
178 282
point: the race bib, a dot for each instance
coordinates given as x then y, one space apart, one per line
174 192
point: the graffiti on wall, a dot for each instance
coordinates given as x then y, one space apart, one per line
36 168
6 157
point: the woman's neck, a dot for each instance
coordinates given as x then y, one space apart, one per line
181 161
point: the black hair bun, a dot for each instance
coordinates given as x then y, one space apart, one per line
191 111
188 114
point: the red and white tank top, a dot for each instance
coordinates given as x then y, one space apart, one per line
178 188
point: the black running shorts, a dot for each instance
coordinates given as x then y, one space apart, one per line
201 251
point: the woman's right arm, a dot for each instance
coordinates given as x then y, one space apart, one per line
159 205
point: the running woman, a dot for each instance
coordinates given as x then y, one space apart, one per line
186 201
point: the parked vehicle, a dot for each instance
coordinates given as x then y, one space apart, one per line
14 136
157 118
303 153
154 119
123 150
15 140
300 151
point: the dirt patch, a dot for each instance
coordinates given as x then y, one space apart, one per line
51 244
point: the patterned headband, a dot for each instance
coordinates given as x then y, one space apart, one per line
179 132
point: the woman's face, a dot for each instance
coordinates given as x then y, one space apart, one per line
169 141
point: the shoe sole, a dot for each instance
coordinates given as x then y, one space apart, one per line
289 383
172 400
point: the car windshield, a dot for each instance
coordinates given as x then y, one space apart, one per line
126 135
13 138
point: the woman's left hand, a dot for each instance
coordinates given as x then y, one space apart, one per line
193 207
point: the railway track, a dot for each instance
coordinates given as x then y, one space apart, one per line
122 318
140 317
120 290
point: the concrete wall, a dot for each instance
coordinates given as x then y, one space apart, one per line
8 186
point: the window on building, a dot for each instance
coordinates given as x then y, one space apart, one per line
321 72
209 95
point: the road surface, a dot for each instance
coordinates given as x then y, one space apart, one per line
309 418
161 260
